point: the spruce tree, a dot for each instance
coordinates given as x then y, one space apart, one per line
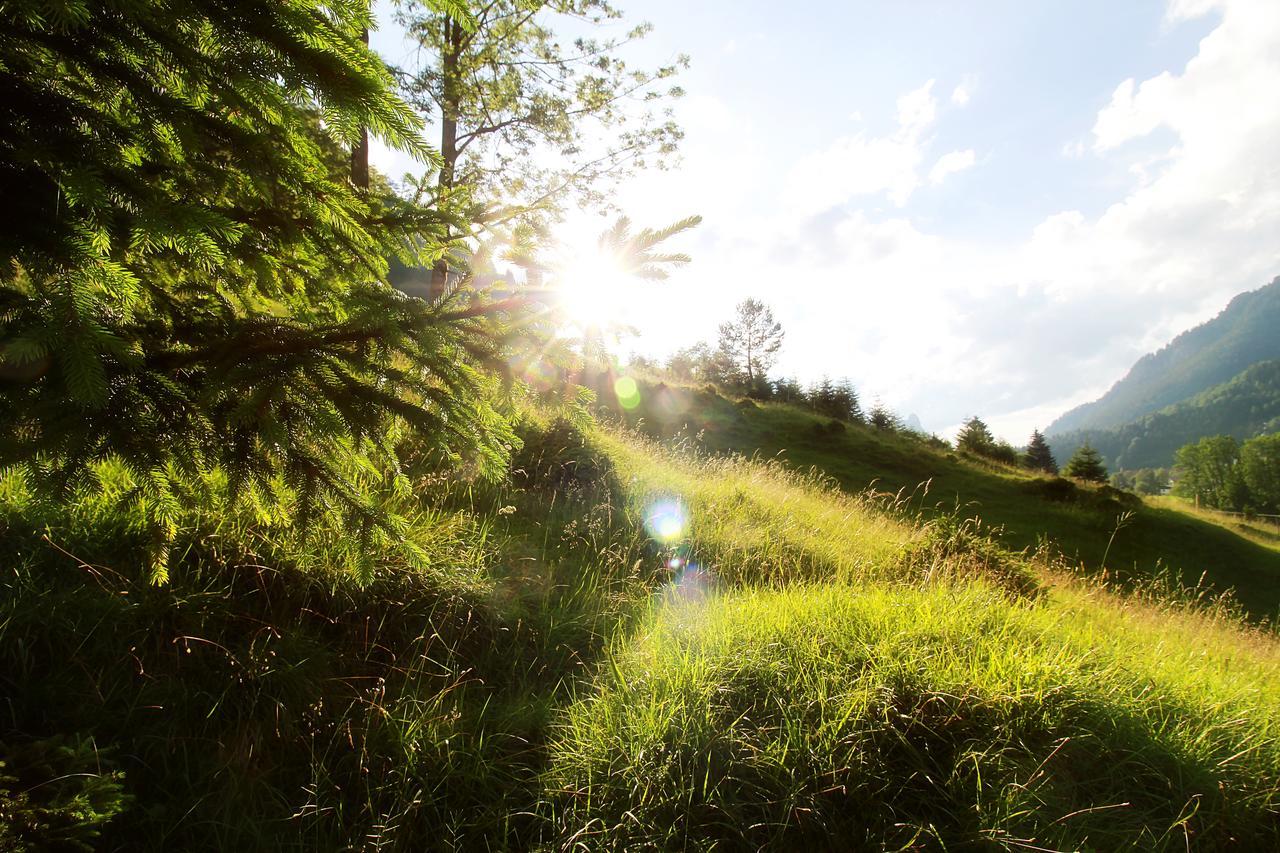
190 278
1038 456
847 402
1086 464
881 417
822 396
975 437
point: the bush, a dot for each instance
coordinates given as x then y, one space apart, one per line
558 458
56 794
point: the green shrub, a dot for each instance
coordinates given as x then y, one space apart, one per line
56 794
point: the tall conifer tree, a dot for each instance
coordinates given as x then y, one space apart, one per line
1086 464
189 279
1038 456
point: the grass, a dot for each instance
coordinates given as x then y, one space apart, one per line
1080 521
1264 531
761 521
261 701
822 667
837 718
829 717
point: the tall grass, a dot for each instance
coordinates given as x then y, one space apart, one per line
832 717
880 688
536 672
758 520
265 698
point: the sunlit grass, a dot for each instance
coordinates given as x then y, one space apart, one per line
1262 531
1160 537
836 673
942 715
759 521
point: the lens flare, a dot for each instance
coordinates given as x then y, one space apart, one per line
692 585
628 392
666 520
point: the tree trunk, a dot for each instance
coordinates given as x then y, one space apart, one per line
360 153
449 109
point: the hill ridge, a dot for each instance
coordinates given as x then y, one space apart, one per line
1242 334
1245 406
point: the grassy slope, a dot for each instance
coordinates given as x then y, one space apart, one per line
916 704
832 666
1158 536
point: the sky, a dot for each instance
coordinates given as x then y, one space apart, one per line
987 208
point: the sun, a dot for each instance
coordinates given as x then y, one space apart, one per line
591 288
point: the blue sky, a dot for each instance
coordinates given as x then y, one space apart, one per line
988 208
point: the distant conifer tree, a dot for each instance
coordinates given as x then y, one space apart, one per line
822 396
1038 456
975 437
1086 464
788 390
882 417
847 398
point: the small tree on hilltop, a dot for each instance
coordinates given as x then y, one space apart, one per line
690 363
881 417
846 398
1086 464
751 340
1038 456
975 437
789 390
1003 451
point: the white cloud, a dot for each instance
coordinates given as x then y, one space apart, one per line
1188 10
1133 112
861 165
963 92
917 110
1017 332
949 164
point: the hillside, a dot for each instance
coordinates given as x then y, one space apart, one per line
625 644
1244 407
1195 361
1028 508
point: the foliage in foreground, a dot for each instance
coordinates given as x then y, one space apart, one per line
262 701
190 280
831 717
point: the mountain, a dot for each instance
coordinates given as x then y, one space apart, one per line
1245 333
1246 406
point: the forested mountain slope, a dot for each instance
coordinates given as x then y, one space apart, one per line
1244 407
1245 333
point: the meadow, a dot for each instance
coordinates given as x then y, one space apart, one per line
1098 528
626 643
